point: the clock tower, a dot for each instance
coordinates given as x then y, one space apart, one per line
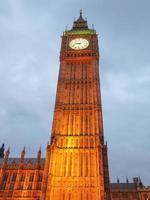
76 166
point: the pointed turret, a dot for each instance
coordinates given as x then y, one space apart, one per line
127 180
140 183
23 153
38 157
2 149
39 154
80 17
6 156
118 181
80 23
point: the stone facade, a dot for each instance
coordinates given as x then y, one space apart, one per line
144 193
21 178
130 191
77 165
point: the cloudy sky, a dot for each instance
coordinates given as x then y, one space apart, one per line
30 33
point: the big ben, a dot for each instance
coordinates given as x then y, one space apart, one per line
76 166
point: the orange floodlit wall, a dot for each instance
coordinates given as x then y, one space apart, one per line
77 165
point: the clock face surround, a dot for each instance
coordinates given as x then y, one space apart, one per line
79 44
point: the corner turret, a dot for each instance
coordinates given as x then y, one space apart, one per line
38 160
6 156
2 149
22 157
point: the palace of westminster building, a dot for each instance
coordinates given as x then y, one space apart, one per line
76 163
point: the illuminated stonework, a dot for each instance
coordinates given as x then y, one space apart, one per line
77 166
21 178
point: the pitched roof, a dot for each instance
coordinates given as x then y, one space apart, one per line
26 160
123 186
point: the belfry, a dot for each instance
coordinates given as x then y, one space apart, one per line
76 165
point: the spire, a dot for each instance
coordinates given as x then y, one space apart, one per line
81 18
38 160
140 182
23 154
80 23
39 154
127 180
48 144
2 149
81 12
118 181
6 156
39 150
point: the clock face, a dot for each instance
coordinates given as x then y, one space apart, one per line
79 43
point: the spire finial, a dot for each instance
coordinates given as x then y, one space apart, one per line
38 157
81 12
127 180
39 152
80 23
23 152
7 154
2 149
8 151
118 181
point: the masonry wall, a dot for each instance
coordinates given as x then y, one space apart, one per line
20 180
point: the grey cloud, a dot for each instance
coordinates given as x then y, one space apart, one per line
29 61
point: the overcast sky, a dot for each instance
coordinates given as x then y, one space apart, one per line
30 33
